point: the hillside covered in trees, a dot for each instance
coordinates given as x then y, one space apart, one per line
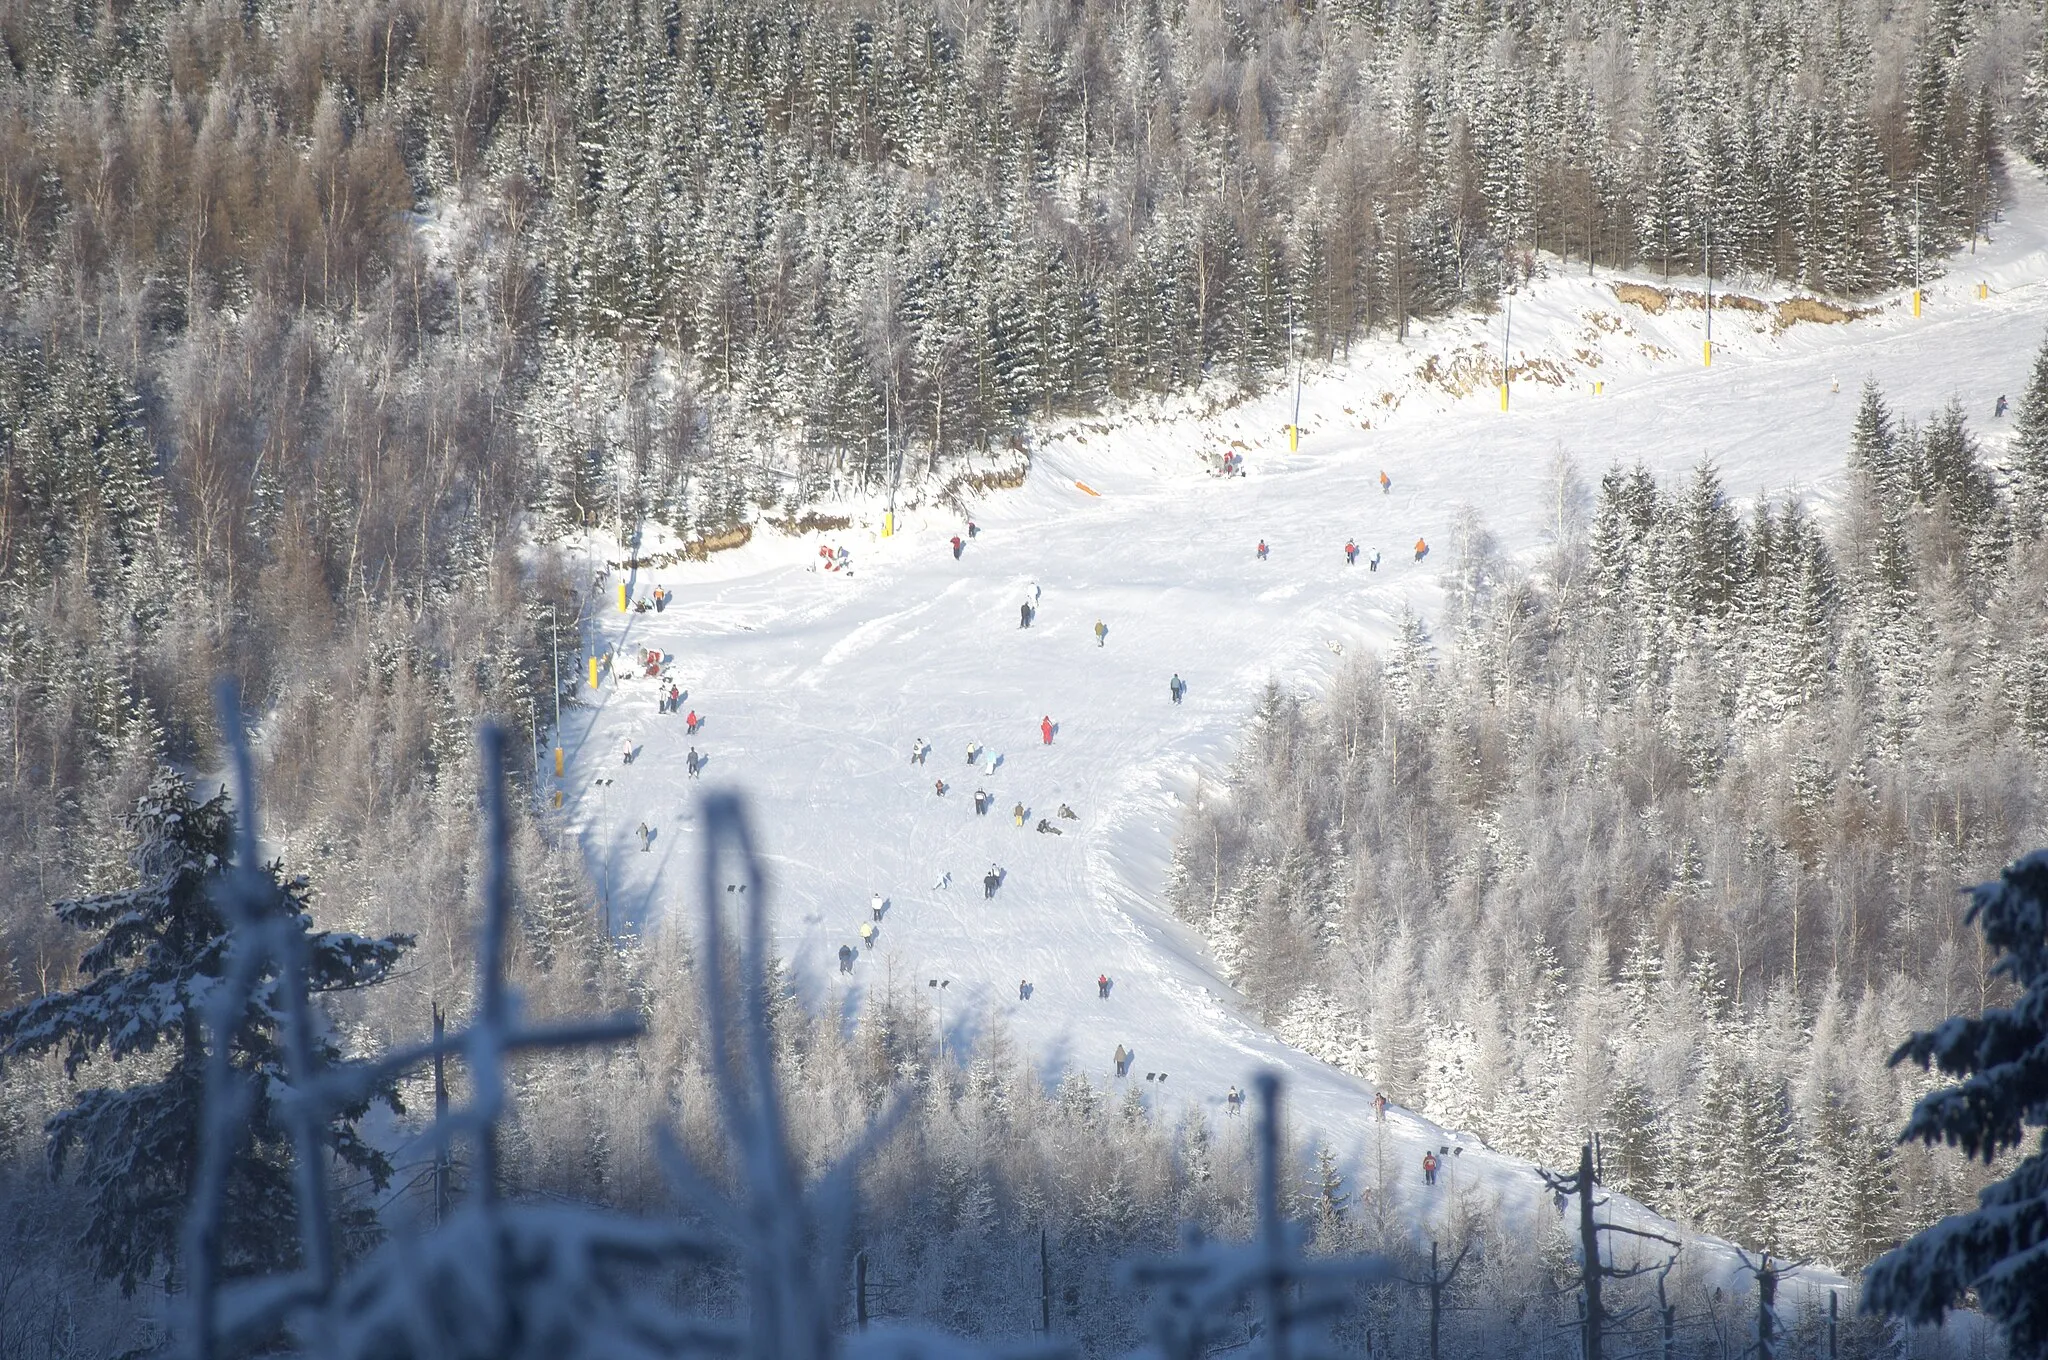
1664 838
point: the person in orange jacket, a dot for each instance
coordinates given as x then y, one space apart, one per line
1421 549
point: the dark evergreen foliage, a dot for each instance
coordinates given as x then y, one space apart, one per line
161 948
1997 1254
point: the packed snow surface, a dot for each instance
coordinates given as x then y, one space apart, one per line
814 684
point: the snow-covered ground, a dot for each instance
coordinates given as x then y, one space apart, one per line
814 685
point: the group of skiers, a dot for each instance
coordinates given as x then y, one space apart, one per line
1351 551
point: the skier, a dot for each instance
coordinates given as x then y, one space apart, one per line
945 880
2000 411
1102 986
917 750
1017 814
1121 1058
1350 553
1101 632
692 721
1379 1107
1421 549
972 528
675 699
1024 614
1034 597
958 544
646 839
626 757
939 788
990 881
846 957
1024 989
1235 1100
1045 728
973 751
1262 550
988 766
1046 828
692 763
981 802
1429 1168
875 906
867 934
1374 564
1176 687
1386 486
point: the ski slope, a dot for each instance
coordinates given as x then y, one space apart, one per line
813 684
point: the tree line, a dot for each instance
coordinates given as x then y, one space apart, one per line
1666 841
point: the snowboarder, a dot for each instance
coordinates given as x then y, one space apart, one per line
1069 813
917 750
2000 411
1176 687
939 788
1046 828
1429 1168
1045 728
694 763
692 721
1102 986
1379 1107
981 802
1350 553
1024 614
846 957
1386 485
646 839
875 906
1017 814
1101 632
1262 550
1421 549
867 934
988 766
990 881
1122 1058
1374 564
958 544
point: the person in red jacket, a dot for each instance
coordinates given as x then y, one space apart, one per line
957 546
692 720
1262 550
1045 728
1350 552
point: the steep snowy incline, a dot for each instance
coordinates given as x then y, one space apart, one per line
814 684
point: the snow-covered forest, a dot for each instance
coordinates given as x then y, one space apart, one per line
1663 836
323 325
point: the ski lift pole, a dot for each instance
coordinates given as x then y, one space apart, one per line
1707 353
1507 328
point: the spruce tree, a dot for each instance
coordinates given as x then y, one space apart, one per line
1998 1251
2030 453
163 946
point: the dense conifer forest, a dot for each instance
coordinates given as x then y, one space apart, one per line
323 326
1663 836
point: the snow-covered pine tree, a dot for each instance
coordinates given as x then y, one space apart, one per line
1998 1251
2029 454
162 946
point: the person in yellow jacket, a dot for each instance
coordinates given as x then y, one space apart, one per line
867 934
